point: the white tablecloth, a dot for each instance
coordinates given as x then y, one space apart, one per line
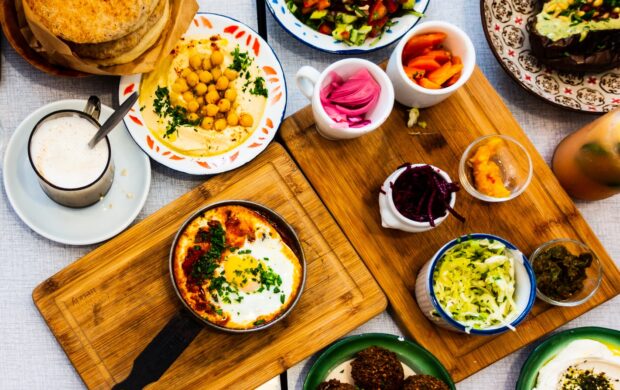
30 357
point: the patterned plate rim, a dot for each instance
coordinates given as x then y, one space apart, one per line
234 158
346 50
514 77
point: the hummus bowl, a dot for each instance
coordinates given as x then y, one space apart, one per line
501 274
213 103
592 347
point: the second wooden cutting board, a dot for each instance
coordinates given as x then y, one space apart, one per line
106 307
348 174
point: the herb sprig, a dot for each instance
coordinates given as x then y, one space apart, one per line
177 115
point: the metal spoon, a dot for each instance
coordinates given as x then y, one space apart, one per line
113 120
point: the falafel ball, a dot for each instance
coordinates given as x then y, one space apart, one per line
377 368
335 384
424 382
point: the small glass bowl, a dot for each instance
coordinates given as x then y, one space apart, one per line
594 273
514 162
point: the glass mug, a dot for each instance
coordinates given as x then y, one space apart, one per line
69 172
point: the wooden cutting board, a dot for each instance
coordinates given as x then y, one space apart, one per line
348 174
106 307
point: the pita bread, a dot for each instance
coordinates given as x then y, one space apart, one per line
122 45
151 37
92 21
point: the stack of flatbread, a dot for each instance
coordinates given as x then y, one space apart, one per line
106 34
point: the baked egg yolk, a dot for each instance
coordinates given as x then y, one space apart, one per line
243 272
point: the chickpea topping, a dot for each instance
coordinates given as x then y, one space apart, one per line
185 72
246 120
213 97
193 117
220 124
201 89
192 106
200 100
230 94
212 109
205 76
224 105
232 119
207 123
192 79
217 57
188 96
206 63
222 83
216 73
195 61
230 74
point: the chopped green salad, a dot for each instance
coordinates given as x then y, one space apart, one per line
351 21
474 283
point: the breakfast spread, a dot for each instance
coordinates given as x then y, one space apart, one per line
205 98
60 152
582 364
234 268
474 283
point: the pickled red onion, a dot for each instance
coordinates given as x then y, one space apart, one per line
347 102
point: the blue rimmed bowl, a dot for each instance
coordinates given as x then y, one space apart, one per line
525 289
326 43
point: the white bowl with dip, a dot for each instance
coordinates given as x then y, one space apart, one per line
392 218
69 171
310 82
411 94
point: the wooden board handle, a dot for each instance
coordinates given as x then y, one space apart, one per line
162 351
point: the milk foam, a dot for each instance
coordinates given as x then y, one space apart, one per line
59 150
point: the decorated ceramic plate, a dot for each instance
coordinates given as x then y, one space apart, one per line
550 348
326 43
199 133
505 26
332 363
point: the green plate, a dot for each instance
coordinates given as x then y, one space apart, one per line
554 344
410 353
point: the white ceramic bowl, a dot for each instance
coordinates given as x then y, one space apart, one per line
525 289
411 94
393 219
310 82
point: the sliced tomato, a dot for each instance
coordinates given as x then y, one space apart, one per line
377 12
310 3
377 27
325 29
323 4
418 43
391 5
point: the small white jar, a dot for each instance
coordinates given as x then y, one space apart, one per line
390 216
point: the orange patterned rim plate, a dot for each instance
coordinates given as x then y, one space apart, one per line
236 33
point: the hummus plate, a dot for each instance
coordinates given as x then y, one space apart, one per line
201 143
548 355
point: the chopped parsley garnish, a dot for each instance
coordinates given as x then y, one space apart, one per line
208 262
241 60
259 322
177 115
259 87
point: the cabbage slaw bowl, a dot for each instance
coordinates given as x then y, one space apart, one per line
524 290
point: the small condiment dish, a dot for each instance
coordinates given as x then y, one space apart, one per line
511 157
411 94
392 218
593 276
310 82
524 295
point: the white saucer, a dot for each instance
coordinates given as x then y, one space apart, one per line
85 226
